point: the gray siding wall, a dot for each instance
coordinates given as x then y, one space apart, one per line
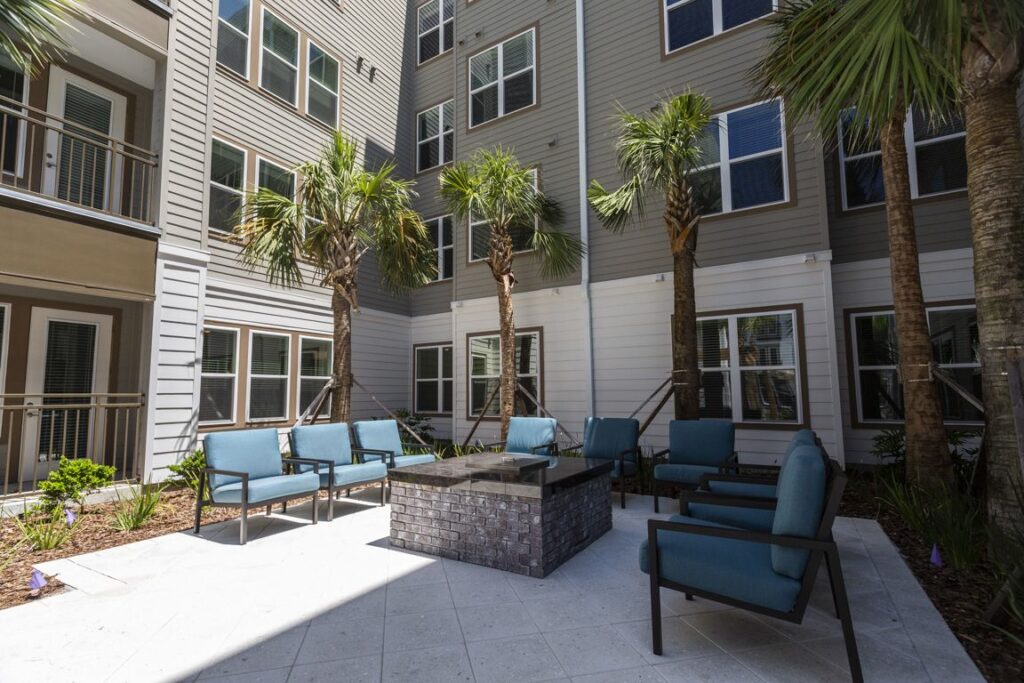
625 68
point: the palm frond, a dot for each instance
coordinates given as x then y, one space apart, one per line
271 229
559 252
34 32
616 209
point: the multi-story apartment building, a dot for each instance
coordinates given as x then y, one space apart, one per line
123 164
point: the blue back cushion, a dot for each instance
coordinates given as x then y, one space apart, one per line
804 437
255 451
606 437
322 442
700 442
381 435
525 433
801 496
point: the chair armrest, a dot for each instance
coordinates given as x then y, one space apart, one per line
361 454
660 454
496 444
735 478
655 525
731 463
573 447
553 446
310 461
709 498
230 473
244 476
764 468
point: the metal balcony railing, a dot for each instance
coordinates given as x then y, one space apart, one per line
48 156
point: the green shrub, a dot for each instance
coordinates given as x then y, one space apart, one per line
189 472
419 424
73 480
46 530
136 510
7 555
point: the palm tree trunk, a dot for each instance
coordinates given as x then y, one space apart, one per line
685 374
341 398
995 184
507 337
928 460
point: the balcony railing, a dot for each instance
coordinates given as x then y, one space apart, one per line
37 429
50 157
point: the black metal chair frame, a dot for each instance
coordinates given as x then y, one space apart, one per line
730 463
244 502
552 447
822 547
638 461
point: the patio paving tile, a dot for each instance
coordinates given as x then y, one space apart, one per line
268 676
645 674
708 670
487 622
266 655
415 631
733 630
884 656
418 598
789 663
445 664
347 640
522 659
592 650
357 670
679 640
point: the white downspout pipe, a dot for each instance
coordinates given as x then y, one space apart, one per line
584 206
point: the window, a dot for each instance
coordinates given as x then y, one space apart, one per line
436 27
688 21
279 58
13 91
485 373
273 177
936 155
480 235
233 35
219 376
502 79
322 87
746 160
954 335
750 367
268 376
434 383
227 185
315 361
435 136
441 233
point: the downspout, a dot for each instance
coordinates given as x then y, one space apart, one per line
584 205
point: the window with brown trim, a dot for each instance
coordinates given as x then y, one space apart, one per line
218 387
485 372
435 22
433 383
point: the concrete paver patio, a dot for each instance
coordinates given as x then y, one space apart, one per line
333 602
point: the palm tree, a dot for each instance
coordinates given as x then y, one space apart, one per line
825 58
32 32
493 188
661 152
343 213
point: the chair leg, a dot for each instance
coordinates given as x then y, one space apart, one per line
654 490
652 566
348 493
199 504
268 510
831 584
330 502
243 524
622 493
284 508
382 485
315 515
843 606
689 596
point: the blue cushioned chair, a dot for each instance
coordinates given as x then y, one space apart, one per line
530 435
770 572
381 437
758 481
330 445
616 439
695 448
244 468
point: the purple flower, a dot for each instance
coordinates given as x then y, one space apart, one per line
69 516
37 582
936 556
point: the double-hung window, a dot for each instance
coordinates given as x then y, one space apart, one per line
875 352
233 20
502 79
435 136
480 234
433 379
322 86
273 177
315 358
227 185
485 373
750 367
936 160
689 21
13 92
442 235
269 361
435 20
219 376
279 58
744 160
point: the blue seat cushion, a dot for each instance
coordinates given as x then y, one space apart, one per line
741 570
269 488
682 474
754 519
409 460
322 442
525 433
256 452
380 435
701 442
801 500
739 488
350 475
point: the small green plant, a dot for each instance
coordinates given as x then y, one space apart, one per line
7 555
72 481
134 511
890 446
189 472
419 424
452 449
46 529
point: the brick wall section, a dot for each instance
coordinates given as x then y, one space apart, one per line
528 536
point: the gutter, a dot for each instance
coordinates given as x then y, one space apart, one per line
584 205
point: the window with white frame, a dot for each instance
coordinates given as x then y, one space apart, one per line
485 373
480 234
219 380
434 383
745 165
279 58
442 234
875 352
435 136
227 185
502 79
233 19
274 177
750 367
315 358
322 86
689 21
269 360
13 91
435 20
936 156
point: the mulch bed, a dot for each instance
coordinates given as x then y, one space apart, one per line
960 596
